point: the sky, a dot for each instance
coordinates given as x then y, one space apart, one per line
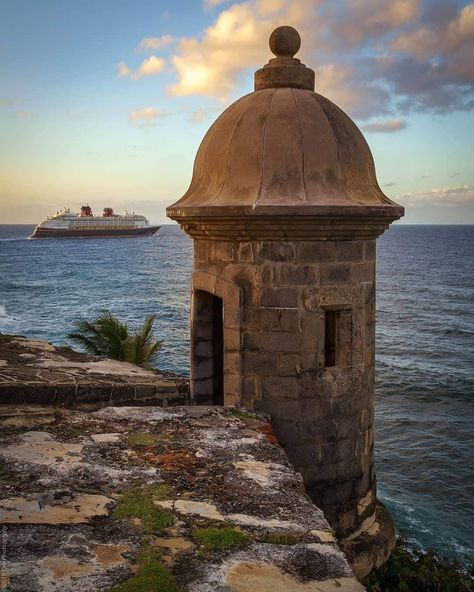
106 101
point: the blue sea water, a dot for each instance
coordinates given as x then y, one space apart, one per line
425 346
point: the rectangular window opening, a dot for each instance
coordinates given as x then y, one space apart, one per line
331 336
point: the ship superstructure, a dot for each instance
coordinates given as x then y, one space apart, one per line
67 224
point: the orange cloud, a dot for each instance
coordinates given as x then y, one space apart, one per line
146 117
361 19
371 57
389 125
211 66
456 35
149 67
155 42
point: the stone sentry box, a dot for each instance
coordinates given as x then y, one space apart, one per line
284 209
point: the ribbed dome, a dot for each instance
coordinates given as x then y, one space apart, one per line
284 150
285 147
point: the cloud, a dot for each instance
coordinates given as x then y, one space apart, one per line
151 66
387 126
435 63
123 70
361 19
451 37
210 4
441 196
155 42
22 114
146 117
375 59
391 184
212 66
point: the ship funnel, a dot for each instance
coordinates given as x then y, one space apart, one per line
86 211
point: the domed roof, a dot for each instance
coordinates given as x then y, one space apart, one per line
284 150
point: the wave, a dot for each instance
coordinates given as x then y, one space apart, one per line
12 240
6 321
457 332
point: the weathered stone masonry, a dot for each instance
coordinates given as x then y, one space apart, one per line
276 297
284 209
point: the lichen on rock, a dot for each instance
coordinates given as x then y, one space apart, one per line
133 498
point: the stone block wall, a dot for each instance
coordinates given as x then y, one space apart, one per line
276 300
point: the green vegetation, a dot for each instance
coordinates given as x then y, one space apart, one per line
280 538
107 336
219 538
65 348
151 576
159 491
241 414
412 571
6 337
139 439
138 503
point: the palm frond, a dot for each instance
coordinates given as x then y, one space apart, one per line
146 328
146 347
108 336
89 337
129 350
86 343
113 332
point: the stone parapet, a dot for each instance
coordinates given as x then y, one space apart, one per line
179 499
36 372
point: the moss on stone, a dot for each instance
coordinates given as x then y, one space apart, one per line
159 491
151 576
280 538
140 439
241 414
219 538
136 503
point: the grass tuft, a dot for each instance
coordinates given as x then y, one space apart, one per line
136 503
241 414
159 491
140 439
151 576
219 538
280 538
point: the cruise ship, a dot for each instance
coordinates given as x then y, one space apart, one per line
67 224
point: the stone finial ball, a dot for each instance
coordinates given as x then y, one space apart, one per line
285 41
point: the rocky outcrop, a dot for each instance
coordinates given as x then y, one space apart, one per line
135 498
36 372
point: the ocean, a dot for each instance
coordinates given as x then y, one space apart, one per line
425 346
